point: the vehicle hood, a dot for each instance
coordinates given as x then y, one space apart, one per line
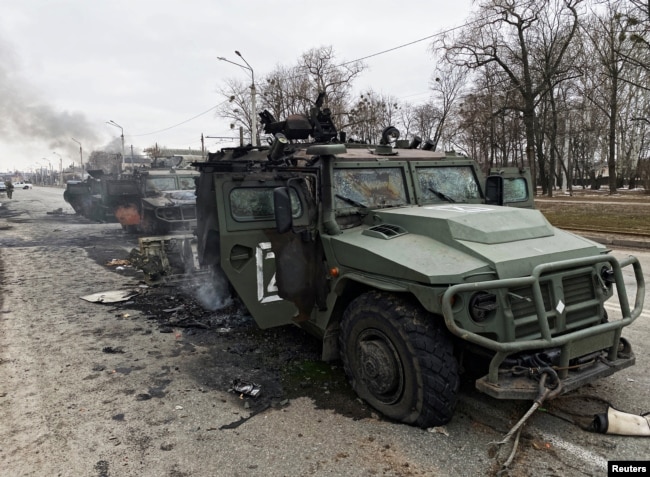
171 198
448 243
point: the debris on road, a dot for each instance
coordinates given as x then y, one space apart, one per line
248 389
622 423
113 296
58 211
116 262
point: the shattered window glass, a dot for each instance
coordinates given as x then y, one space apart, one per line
448 184
372 187
122 188
157 184
186 183
515 190
256 203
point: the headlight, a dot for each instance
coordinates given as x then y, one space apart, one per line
481 306
607 274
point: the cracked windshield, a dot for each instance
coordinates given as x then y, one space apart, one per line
169 183
371 188
448 184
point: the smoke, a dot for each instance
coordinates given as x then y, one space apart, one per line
26 117
214 294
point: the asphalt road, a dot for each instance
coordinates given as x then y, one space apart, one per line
96 390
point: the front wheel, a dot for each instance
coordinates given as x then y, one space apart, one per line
399 359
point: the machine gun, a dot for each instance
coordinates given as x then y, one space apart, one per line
318 124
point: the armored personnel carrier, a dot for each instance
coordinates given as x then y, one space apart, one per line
407 263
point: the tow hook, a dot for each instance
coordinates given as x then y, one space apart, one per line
545 391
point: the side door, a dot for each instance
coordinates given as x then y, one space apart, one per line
511 187
248 237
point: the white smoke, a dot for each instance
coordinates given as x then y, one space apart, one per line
214 294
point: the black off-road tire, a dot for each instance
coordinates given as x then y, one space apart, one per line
399 359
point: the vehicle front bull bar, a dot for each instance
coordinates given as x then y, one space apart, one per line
609 332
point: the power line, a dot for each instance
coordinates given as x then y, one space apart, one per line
179 124
408 44
383 52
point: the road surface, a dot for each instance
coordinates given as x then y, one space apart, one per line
100 390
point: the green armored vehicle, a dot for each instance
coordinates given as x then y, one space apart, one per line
164 203
156 200
406 262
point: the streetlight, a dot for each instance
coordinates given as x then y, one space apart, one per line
60 166
248 67
81 157
50 171
113 123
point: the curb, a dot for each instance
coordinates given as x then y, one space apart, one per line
618 241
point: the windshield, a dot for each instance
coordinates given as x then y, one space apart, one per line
158 184
448 184
369 187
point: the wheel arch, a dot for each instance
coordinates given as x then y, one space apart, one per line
345 290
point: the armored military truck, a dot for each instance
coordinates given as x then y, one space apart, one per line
154 201
165 202
408 263
98 196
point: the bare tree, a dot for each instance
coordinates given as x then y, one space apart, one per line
372 112
506 33
325 76
293 89
286 91
611 45
237 107
446 85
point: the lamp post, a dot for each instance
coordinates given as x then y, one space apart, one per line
81 158
42 173
248 67
49 176
60 166
113 123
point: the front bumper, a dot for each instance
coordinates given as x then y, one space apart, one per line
602 339
178 217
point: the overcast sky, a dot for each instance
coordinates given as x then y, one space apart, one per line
69 66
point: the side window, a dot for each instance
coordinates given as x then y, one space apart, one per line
256 204
515 190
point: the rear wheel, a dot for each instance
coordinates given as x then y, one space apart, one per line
399 359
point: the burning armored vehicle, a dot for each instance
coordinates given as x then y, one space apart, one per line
406 262
156 200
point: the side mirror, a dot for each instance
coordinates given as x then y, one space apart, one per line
282 209
494 190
